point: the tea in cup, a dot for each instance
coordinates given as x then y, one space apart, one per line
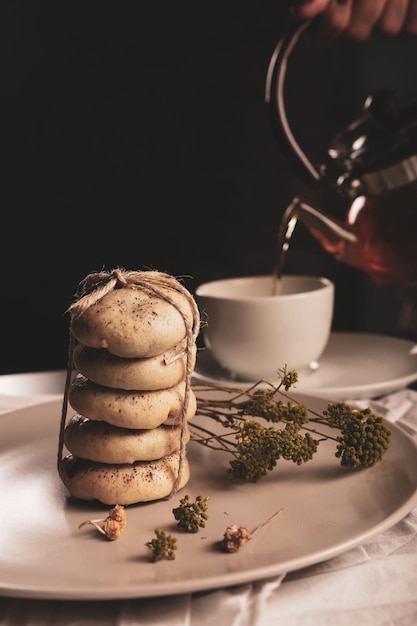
252 333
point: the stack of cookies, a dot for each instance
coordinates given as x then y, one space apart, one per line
133 350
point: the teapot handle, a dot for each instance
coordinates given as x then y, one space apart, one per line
274 97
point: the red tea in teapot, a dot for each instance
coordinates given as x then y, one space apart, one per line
378 236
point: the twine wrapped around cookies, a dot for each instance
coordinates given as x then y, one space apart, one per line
97 285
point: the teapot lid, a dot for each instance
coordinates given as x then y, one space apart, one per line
377 151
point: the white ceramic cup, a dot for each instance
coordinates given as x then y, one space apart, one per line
253 333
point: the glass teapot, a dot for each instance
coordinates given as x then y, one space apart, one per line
372 163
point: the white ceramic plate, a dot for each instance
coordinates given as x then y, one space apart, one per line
327 510
353 366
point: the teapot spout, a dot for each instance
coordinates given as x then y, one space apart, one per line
332 234
332 230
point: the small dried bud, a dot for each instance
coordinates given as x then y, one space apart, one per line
234 538
113 524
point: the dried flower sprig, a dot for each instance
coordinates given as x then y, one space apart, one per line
362 438
190 515
163 546
112 526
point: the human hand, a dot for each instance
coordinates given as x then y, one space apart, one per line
358 19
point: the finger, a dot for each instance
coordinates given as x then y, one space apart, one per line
365 17
305 9
334 21
393 17
410 23
338 15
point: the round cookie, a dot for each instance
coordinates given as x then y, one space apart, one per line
101 442
131 323
158 372
142 481
130 409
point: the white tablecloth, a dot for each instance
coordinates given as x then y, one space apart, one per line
374 584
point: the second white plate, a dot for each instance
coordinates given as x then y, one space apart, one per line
353 366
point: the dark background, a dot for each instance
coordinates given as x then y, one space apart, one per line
136 135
